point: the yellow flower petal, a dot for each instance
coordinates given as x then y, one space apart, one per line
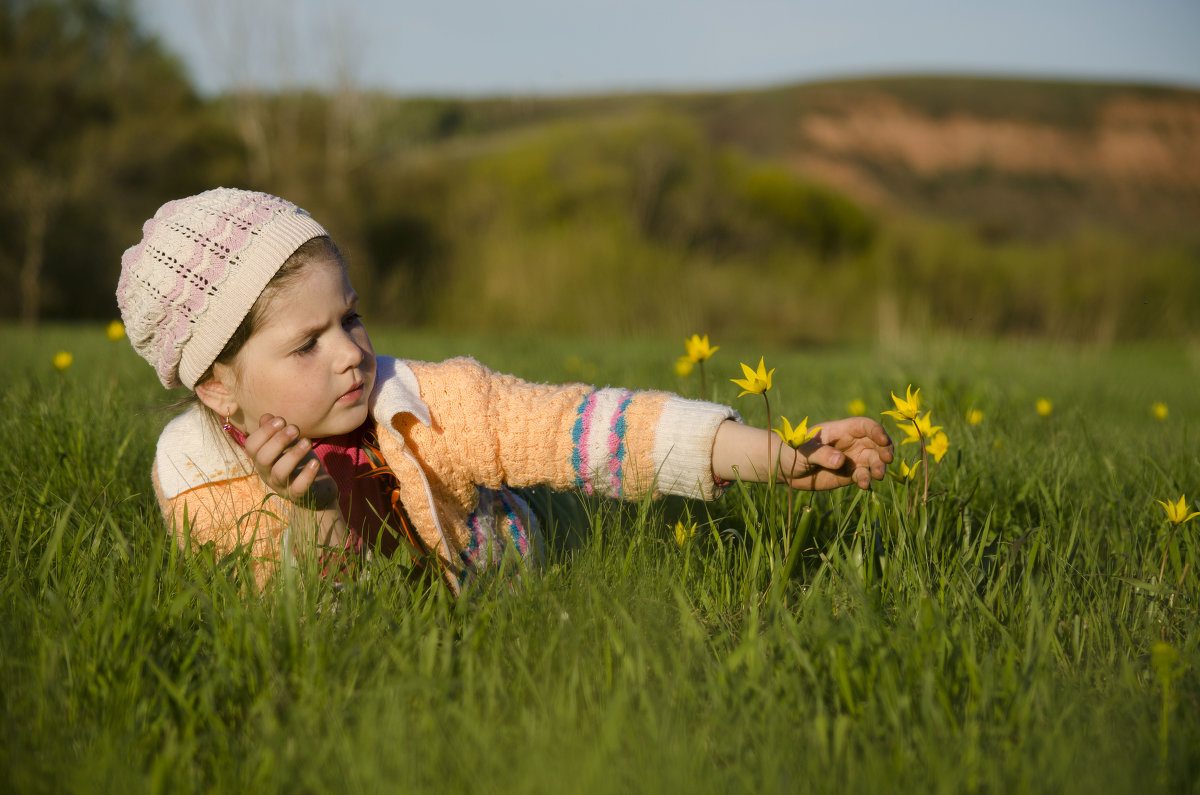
938 446
974 416
1177 512
115 330
908 407
684 532
1044 407
756 381
908 473
794 437
921 427
62 360
698 349
1159 410
856 408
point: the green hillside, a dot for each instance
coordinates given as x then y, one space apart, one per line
1156 190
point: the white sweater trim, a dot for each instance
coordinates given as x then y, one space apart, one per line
683 446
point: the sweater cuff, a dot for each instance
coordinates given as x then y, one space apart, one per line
683 446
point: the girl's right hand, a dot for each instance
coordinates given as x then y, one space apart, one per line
286 463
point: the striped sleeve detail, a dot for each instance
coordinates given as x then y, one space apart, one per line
598 442
516 529
616 445
580 462
500 520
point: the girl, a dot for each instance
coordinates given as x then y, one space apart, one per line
302 437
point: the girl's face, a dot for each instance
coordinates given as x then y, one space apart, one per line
310 362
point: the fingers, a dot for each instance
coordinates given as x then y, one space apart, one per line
845 432
863 476
298 482
826 457
853 450
860 469
282 458
293 474
268 426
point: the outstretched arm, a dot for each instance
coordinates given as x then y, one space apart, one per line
853 450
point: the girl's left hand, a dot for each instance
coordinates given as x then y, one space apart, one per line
286 463
854 450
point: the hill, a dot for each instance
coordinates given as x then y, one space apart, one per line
1017 158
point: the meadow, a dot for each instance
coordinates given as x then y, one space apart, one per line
1029 626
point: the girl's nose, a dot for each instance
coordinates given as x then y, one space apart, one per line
352 353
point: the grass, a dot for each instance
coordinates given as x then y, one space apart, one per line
1000 638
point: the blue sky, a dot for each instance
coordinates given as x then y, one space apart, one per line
471 47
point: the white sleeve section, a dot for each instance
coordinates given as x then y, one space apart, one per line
191 453
683 446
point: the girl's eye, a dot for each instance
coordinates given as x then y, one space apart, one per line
308 346
351 319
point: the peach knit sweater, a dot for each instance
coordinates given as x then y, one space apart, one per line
450 432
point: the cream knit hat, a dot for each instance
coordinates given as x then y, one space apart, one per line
202 263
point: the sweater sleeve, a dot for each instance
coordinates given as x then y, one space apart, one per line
491 429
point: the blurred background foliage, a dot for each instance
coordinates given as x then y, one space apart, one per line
810 213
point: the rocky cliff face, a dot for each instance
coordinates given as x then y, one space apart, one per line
1134 140
1017 158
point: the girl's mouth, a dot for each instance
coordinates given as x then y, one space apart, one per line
353 394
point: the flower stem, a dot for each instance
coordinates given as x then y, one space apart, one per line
1163 568
791 495
924 466
774 466
703 383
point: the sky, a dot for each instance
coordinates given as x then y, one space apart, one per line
561 47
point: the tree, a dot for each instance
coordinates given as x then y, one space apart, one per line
95 110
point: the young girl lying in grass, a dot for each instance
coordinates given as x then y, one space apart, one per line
303 439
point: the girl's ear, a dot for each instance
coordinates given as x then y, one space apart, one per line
216 394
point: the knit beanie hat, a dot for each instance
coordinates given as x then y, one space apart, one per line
202 263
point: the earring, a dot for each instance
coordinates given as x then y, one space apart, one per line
228 426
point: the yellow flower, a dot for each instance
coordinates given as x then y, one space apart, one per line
974 417
938 446
1044 407
698 348
920 427
684 366
62 360
755 383
794 437
856 408
115 330
684 532
1177 512
909 407
906 472
1159 410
